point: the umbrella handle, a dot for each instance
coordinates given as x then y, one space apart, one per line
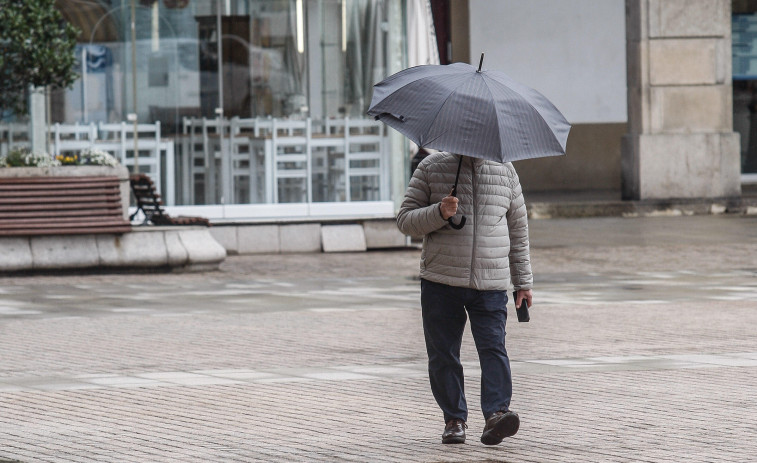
457 226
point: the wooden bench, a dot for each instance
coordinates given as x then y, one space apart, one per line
61 206
148 201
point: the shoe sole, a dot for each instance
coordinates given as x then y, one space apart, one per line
453 440
506 427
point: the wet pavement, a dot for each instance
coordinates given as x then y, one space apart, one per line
641 348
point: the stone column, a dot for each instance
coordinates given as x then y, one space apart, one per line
37 120
680 141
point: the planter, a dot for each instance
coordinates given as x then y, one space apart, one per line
76 217
121 172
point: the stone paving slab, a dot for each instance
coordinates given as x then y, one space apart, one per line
628 358
162 379
649 416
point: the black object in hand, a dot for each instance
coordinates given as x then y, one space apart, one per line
521 311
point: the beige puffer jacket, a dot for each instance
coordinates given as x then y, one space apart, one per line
492 247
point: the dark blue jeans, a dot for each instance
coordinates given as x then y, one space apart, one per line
444 317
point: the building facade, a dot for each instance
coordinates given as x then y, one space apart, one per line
263 101
657 104
275 58
242 102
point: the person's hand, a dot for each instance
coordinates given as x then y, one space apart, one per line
448 207
523 294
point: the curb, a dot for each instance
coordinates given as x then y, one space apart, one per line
645 208
173 248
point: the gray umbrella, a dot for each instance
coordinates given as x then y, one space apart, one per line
482 114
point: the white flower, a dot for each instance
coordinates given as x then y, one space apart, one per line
95 157
22 157
40 159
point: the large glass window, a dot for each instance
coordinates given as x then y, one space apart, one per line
278 58
217 74
744 46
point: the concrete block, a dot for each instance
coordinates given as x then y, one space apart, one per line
16 254
724 61
258 239
687 166
226 237
700 108
689 18
717 209
383 234
343 238
201 248
176 254
144 247
683 61
730 163
304 237
64 251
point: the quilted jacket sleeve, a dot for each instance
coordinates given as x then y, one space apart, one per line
517 223
417 217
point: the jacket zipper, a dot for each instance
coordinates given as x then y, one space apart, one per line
474 221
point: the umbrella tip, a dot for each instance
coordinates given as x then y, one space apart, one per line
480 62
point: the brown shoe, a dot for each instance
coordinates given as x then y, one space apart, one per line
498 426
454 432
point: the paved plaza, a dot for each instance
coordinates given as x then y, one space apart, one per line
641 348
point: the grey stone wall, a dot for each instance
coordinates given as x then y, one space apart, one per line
680 141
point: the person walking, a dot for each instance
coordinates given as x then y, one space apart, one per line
467 270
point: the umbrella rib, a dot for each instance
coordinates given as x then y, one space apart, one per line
496 113
384 98
440 111
499 133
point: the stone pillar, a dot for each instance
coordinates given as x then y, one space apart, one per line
680 141
37 120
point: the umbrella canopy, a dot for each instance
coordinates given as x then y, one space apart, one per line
483 114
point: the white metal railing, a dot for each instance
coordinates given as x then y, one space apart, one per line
119 140
114 138
272 161
241 161
13 135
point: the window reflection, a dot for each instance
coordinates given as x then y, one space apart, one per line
278 58
211 78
